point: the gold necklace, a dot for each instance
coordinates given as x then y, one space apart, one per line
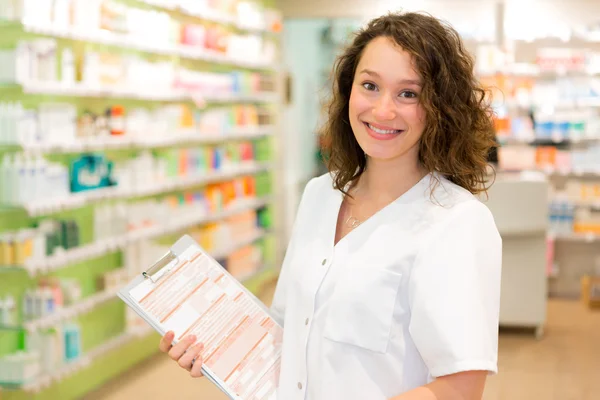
352 221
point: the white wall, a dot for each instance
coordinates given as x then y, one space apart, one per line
465 15
301 52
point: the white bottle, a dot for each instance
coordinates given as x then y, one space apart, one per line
6 193
28 306
3 313
49 307
41 181
31 191
40 245
16 113
8 123
60 13
9 308
100 218
3 133
18 178
23 135
23 62
68 67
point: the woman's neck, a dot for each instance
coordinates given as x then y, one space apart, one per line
383 181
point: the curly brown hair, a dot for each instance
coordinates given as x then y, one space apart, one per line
459 130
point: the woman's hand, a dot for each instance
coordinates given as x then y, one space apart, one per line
187 357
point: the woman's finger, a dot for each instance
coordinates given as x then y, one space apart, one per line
186 359
166 342
177 351
196 371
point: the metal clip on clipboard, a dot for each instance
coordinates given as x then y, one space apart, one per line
158 266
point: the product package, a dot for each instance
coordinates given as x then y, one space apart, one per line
190 293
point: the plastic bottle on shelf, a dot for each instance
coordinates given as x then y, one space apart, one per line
67 67
28 305
119 220
6 180
116 120
29 188
57 180
41 181
26 127
3 130
7 311
15 114
100 218
5 115
19 180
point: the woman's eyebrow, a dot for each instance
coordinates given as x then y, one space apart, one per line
402 81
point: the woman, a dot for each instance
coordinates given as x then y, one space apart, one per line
391 282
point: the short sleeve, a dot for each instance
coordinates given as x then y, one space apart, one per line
278 304
454 293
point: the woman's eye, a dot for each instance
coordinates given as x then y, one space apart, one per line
408 94
369 86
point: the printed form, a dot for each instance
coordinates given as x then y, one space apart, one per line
242 343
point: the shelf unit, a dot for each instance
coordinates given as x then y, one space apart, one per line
119 349
202 13
146 93
89 303
138 43
53 205
69 369
137 141
103 247
552 84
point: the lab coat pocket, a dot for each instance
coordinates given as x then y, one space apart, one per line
361 308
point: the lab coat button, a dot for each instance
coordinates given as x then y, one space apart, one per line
299 385
324 261
306 322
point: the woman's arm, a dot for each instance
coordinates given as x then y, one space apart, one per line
454 295
461 386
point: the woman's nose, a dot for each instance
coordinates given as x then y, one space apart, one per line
385 109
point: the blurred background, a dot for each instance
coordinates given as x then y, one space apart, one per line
125 123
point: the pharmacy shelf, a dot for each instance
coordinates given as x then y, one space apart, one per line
142 44
573 173
535 71
590 205
73 201
546 141
84 306
555 172
138 141
589 237
45 381
590 102
238 244
204 13
147 92
106 246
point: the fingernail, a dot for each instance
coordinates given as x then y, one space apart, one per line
193 338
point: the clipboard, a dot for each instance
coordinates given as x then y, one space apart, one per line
189 292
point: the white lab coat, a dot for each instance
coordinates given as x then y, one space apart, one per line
411 294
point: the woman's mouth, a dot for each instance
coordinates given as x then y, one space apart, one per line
382 133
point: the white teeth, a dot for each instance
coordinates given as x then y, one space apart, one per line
383 131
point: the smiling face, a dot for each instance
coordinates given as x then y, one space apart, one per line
384 111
